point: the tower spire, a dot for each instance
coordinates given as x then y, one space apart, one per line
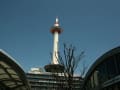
55 30
56 22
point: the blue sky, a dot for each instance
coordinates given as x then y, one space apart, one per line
92 26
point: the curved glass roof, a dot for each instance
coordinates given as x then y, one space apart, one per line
101 59
11 75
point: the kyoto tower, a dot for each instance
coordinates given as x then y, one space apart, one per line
55 66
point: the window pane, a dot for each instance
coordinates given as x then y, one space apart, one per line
118 62
102 74
111 68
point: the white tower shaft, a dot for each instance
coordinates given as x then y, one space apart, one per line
55 49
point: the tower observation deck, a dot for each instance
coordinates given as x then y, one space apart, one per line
55 66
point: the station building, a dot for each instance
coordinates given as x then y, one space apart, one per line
104 74
12 76
41 80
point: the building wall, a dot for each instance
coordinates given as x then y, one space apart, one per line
47 81
105 72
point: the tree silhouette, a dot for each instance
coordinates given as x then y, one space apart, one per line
70 60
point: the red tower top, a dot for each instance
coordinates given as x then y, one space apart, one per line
56 27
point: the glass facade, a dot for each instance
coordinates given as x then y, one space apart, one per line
105 73
12 77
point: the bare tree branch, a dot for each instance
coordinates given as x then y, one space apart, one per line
70 61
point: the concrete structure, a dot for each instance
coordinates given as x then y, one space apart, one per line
41 80
56 30
104 74
55 66
12 76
